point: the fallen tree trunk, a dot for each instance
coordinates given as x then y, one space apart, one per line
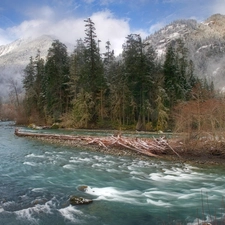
149 147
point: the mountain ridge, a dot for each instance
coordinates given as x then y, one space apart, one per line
205 41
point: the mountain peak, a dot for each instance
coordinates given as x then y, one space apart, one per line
205 41
217 24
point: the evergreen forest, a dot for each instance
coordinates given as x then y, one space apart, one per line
136 90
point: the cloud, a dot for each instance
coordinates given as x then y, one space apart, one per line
108 28
155 27
218 6
70 29
44 12
4 37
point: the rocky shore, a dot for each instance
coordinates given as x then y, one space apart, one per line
203 155
94 147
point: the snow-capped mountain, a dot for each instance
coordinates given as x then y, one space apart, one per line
15 56
205 41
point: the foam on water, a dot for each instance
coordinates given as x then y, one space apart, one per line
188 196
38 189
158 203
113 171
30 163
69 166
72 214
35 156
156 194
148 189
116 195
32 212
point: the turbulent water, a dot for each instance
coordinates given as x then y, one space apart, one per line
37 180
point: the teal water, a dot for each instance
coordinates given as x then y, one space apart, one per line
36 180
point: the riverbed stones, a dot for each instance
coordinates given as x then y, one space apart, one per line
75 200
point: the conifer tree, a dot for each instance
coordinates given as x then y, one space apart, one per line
178 73
39 84
93 72
139 68
57 78
28 85
77 70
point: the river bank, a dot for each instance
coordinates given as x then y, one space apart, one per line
194 152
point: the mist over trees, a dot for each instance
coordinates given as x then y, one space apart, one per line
89 89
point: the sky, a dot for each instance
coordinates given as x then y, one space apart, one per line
114 19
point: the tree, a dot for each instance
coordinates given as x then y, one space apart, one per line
57 78
34 84
28 84
109 61
170 74
81 112
178 73
139 60
15 91
92 57
93 72
120 97
77 70
39 85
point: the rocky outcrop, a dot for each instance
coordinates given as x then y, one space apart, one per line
75 200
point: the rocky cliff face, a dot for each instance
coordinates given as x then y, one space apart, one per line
205 41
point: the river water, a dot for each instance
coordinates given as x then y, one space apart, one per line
37 180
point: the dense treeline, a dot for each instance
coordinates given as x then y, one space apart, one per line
90 89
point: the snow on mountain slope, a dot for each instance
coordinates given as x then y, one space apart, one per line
205 41
15 56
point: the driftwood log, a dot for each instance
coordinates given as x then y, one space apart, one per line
149 147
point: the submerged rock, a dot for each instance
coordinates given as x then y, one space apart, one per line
82 188
39 201
75 200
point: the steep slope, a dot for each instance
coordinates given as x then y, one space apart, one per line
205 41
15 56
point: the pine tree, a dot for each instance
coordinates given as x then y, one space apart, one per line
139 60
39 85
57 78
77 70
93 72
120 109
178 73
109 61
28 85
170 74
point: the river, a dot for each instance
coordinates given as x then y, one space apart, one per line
37 180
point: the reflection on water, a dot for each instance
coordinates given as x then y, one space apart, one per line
37 180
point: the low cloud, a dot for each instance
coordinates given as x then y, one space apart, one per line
108 28
155 27
68 30
218 6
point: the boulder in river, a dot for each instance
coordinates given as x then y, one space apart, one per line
75 200
82 188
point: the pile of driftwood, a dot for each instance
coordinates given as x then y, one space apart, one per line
150 147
